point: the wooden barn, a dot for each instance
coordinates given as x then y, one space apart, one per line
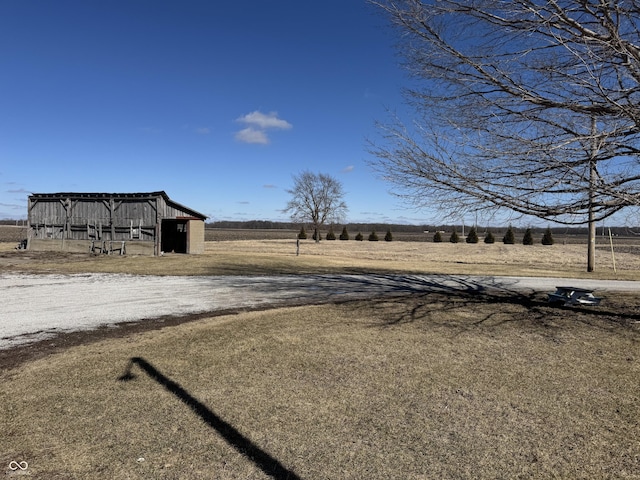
135 223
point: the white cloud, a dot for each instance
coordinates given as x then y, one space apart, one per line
251 135
258 124
265 121
348 169
203 131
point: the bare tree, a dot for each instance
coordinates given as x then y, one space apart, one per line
317 199
531 106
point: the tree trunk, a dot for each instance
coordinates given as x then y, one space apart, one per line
591 247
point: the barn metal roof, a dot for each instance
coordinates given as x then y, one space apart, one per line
105 196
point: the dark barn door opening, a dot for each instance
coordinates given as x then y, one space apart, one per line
174 236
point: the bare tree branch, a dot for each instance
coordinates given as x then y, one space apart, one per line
507 92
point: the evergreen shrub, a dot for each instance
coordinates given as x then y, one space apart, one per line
509 237
473 236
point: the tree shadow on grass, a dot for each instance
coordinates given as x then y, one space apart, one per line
263 460
409 298
420 297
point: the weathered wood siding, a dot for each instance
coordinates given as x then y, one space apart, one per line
106 217
87 220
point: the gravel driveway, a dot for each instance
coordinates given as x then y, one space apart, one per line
36 307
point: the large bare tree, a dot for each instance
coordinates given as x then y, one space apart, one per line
317 199
530 106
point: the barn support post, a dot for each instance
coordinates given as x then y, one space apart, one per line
66 205
156 241
29 207
188 227
112 211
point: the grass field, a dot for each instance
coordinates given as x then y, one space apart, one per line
417 387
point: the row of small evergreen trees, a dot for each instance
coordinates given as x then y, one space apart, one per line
373 236
508 239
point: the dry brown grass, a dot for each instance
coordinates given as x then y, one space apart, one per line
423 386
255 257
419 387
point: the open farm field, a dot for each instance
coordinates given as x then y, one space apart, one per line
231 234
12 234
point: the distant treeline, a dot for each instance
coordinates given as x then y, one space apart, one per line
404 228
267 225
19 223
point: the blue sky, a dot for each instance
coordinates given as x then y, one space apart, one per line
217 103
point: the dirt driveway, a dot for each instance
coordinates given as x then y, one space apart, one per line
38 307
